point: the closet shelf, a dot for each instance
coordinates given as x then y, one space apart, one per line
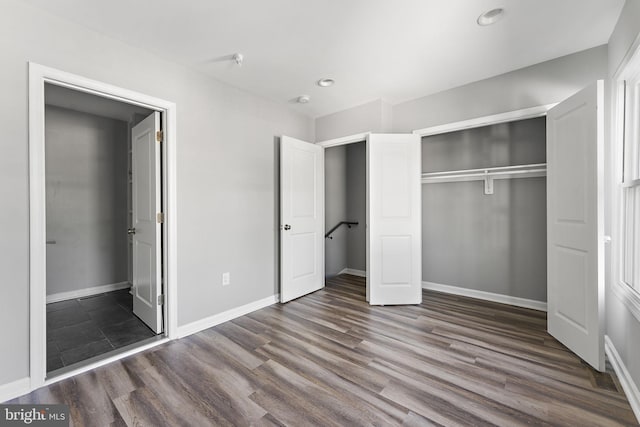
503 172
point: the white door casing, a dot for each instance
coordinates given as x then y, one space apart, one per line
146 204
301 218
575 223
394 222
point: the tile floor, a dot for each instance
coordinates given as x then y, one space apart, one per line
83 328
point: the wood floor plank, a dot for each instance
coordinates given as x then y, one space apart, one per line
332 380
331 359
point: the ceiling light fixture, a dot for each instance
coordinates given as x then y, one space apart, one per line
304 99
490 17
326 82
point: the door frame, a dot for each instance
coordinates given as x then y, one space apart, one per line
494 119
38 76
353 139
476 122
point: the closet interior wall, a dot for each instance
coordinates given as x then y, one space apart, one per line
345 200
487 242
86 190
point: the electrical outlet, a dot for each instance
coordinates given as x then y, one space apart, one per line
226 279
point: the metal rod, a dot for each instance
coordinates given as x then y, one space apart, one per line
481 176
348 223
467 172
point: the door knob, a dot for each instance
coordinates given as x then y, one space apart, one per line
287 227
131 231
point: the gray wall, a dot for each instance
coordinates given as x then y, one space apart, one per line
624 34
225 169
493 243
357 205
540 84
623 328
375 116
335 208
86 190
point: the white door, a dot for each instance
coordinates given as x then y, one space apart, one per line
394 240
575 230
301 218
146 227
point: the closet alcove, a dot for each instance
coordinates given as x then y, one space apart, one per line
484 209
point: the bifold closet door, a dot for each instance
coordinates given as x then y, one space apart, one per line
301 218
575 223
394 258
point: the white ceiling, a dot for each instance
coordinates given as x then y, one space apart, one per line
391 49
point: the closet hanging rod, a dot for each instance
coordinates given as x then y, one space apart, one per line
489 170
507 172
481 176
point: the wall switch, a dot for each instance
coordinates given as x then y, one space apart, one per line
226 279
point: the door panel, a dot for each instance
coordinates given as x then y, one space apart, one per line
147 253
575 224
301 218
394 255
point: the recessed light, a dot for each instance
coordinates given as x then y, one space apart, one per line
304 99
326 82
490 17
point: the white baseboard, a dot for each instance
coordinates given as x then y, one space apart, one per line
87 292
353 272
200 325
487 296
14 389
628 385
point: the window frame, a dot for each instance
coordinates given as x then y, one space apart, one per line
625 176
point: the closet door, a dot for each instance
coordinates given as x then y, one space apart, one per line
301 218
575 223
394 258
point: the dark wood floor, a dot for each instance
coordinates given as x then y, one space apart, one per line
329 359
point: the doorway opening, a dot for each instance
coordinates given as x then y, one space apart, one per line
89 208
102 223
346 210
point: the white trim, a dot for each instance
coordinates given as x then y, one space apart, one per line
104 361
626 380
628 57
225 316
358 137
487 296
630 183
628 296
353 272
14 389
628 68
38 75
87 292
526 113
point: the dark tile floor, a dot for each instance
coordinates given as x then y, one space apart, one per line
83 328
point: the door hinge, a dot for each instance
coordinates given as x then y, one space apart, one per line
161 299
160 217
159 136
